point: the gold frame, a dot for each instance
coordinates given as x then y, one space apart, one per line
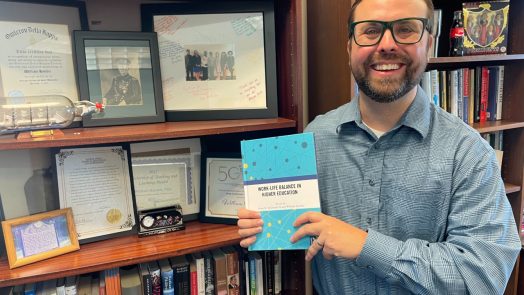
8 225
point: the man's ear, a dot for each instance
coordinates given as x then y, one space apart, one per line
431 40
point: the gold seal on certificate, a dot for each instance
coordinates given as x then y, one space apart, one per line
113 216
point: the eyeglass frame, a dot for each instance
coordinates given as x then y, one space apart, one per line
389 26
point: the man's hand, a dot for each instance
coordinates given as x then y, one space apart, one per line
334 236
250 224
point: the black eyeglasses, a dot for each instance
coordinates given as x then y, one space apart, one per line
404 30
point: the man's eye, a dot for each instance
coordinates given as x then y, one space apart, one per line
372 32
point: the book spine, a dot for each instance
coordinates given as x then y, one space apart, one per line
167 282
435 87
443 90
201 276
484 88
209 277
181 276
492 93
252 275
471 109
278 271
156 281
269 273
465 95
453 79
500 93
460 94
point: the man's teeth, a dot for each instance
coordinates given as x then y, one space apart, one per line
386 67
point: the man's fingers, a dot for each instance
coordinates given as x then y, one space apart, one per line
249 223
315 247
248 214
308 217
312 229
248 241
249 231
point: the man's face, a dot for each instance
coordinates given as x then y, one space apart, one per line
123 67
387 71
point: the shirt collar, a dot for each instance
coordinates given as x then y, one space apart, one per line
416 117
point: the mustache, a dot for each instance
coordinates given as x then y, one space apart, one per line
385 57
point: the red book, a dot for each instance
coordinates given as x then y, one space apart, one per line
484 87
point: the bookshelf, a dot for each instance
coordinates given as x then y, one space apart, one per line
221 135
512 123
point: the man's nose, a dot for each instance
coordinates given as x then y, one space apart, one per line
387 43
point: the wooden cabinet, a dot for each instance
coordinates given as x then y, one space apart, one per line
216 135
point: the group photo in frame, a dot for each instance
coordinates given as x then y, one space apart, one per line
37 237
217 58
222 187
37 58
121 70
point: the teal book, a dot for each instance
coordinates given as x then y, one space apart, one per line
281 182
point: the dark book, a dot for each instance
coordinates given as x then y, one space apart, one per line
269 272
243 269
293 272
181 275
156 279
492 92
145 277
209 273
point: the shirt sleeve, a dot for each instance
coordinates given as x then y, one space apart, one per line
481 243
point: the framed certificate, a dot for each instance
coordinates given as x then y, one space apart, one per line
217 58
222 188
40 236
95 182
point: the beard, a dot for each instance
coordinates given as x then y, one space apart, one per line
388 90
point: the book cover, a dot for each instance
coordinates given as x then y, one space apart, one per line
156 280
130 282
281 182
166 272
219 261
145 276
180 267
209 273
201 273
485 27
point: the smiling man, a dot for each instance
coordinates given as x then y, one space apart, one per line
412 198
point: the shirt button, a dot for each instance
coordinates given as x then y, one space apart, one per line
368 220
371 182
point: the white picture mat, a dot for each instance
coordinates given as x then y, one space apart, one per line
241 33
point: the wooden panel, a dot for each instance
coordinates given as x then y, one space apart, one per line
329 76
492 126
122 251
132 133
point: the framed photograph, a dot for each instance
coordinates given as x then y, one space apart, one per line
37 52
122 71
222 188
217 58
95 183
37 237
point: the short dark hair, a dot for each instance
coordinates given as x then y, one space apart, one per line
429 16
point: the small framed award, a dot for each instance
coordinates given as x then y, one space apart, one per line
222 189
37 237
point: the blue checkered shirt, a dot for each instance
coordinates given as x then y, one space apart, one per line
430 195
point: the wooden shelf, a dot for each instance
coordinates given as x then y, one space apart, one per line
144 132
473 60
492 126
511 188
122 251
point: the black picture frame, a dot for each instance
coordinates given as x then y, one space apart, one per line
121 70
132 229
231 185
246 89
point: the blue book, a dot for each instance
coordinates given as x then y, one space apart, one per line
281 182
166 272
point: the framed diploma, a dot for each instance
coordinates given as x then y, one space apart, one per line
222 188
40 236
217 59
120 70
95 182
37 53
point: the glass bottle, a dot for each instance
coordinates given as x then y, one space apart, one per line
456 35
41 112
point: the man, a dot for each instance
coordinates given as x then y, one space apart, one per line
188 59
125 89
412 198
